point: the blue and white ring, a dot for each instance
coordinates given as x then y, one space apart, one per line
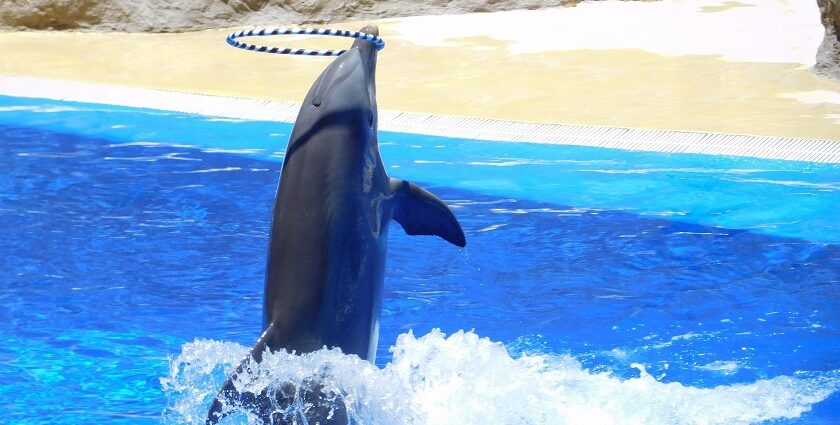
232 40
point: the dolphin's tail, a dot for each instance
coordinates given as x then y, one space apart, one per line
272 405
228 394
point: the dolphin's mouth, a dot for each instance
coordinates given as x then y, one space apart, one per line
368 52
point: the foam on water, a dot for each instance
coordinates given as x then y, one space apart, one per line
466 379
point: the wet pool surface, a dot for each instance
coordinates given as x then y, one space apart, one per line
651 286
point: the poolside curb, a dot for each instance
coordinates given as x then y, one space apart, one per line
785 148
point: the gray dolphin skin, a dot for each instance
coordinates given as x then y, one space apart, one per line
329 232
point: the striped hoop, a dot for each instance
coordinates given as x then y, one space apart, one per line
231 39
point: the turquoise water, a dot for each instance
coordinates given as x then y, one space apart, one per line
598 286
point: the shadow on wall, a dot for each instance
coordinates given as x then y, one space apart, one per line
184 15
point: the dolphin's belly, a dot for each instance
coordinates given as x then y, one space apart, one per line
324 275
353 289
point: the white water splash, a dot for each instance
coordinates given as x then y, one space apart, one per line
465 379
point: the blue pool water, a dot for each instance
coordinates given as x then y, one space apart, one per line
598 286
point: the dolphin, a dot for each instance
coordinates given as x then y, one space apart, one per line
328 237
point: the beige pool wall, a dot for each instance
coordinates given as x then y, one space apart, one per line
697 65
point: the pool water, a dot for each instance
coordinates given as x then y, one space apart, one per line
598 286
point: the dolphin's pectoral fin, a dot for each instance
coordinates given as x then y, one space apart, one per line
420 212
228 395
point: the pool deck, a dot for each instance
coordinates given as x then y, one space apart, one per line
581 75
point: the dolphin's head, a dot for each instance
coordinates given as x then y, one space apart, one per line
342 101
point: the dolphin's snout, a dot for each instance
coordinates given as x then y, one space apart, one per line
370 29
365 47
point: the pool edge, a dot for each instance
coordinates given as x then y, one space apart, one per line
668 141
